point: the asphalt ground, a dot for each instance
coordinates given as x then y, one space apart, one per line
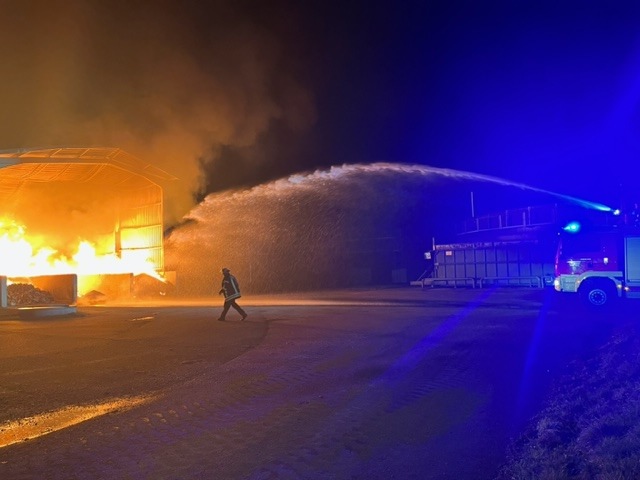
396 383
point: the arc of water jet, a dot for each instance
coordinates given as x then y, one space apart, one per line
299 180
424 170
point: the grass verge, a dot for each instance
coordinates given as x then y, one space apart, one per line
590 428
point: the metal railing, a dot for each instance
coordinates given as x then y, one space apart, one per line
537 216
520 217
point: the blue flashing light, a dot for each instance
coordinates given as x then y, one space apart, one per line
616 211
572 227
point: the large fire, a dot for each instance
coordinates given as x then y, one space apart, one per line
19 258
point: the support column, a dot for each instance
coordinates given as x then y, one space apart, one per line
3 292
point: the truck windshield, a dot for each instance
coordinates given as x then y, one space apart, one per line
579 245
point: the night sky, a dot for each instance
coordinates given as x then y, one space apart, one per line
231 94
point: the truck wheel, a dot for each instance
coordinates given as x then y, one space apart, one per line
598 294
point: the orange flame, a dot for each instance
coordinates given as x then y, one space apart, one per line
18 258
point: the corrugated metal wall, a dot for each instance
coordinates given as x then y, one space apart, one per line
481 265
141 224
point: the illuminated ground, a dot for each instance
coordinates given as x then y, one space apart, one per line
392 383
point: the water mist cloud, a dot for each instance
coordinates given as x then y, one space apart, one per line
170 83
329 228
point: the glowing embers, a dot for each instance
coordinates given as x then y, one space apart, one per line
22 255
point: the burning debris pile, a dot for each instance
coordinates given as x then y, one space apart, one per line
20 294
93 298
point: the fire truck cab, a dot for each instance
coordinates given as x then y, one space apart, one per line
600 265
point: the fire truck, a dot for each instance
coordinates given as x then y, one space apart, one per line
600 265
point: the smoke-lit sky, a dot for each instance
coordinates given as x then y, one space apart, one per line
233 93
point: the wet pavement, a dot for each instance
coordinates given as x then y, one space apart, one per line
376 384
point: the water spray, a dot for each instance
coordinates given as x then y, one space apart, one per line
339 171
306 226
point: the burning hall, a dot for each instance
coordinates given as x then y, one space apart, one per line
78 222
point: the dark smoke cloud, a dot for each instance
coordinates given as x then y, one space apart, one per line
174 83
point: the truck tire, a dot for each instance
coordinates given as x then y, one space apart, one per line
598 294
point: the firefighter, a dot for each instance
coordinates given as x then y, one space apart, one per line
231 291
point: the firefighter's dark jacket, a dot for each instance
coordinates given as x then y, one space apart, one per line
230 288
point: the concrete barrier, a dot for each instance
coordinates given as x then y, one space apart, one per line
63 288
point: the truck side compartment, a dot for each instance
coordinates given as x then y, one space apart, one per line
632 267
